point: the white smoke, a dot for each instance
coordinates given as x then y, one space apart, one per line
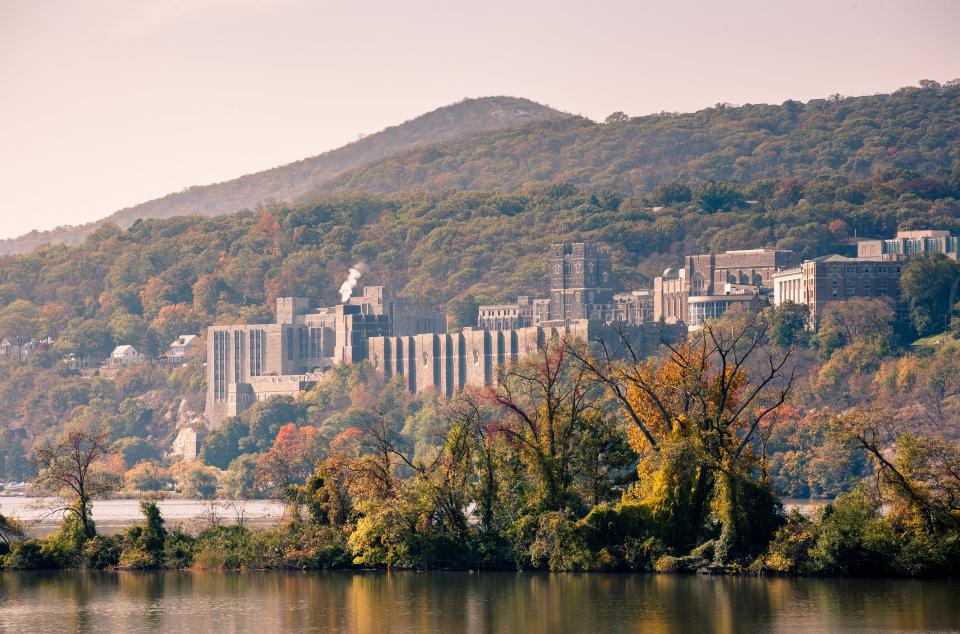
346 289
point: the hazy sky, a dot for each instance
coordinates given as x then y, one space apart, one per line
105 104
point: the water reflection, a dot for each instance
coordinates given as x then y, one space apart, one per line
460 602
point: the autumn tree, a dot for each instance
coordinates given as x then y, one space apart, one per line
545 401
291 459
694 418
72 466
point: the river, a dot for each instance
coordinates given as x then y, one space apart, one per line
382 602
112 516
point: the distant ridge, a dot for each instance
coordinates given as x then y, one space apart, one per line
293 181
913 129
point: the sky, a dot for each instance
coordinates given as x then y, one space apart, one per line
106 104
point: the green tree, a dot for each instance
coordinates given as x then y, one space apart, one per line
788 324
671 193
926 283
464 311
712 196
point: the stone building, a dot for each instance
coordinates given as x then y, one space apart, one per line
251 362
526 312
580 280
581 286
705 280
908 243
446 363
834 278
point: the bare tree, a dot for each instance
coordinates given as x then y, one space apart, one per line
71 467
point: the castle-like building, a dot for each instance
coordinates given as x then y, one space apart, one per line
246 363
251 362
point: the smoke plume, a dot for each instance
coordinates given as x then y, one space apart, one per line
346 289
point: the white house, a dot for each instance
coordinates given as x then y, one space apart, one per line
124 355
182 347
8 349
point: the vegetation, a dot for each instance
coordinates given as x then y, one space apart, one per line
915 129
295 181
581 461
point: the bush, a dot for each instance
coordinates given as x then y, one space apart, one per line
30 555
178 550
101 552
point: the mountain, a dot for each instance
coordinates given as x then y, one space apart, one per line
296 180
501 143
915 129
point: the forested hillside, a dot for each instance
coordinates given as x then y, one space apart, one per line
160 278
915 128
294 181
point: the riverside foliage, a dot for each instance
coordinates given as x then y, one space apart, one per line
579 461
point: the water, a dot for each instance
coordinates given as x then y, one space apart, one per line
381 602
112 516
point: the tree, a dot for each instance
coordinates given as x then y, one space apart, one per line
858 320
545 401
616 117
695 417
72 466
147 476
671 193
464 311
172 321
19 321
291 459
788 324
927 284
11 530
713 196
89 339
195 480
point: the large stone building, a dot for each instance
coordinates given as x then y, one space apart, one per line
251 362
875 272
708 284
834 278
909 243
446 363
581 287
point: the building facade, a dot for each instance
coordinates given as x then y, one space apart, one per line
909 243
580 280
704 278
581 286
446 363
251 362
817 283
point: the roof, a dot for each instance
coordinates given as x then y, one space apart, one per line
183 340
835 258
122 349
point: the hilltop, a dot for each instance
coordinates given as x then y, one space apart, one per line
914 128
295 181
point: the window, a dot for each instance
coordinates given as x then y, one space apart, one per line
256 352
289 344
237 357
303 343
219 365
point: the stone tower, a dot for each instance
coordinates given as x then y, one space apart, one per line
579 278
